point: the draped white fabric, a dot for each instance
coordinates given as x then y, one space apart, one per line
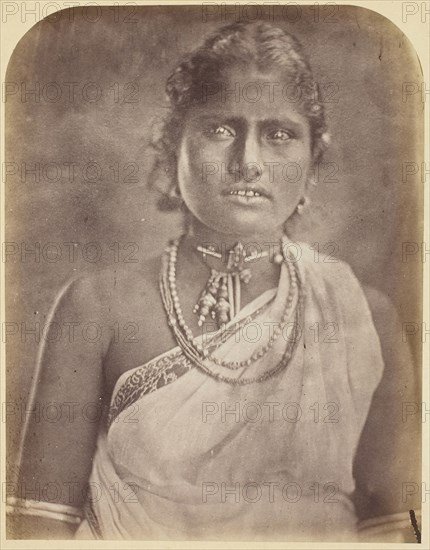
202 459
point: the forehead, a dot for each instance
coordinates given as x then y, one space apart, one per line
252 95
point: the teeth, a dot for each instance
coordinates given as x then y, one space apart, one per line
247 193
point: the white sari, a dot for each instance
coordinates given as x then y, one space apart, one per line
186 457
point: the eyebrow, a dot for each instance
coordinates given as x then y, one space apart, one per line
280 122
220 116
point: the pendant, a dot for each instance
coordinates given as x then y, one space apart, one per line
220 298
236 258
208 298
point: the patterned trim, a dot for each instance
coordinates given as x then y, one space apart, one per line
146 379
166 369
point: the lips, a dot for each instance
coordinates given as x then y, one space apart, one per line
248 191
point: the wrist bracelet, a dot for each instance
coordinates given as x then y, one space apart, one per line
386 524
49 510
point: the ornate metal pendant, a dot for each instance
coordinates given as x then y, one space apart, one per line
221 296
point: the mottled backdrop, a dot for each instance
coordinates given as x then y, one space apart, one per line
361 60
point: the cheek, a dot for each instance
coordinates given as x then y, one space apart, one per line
189 162
303 160
290 173
199 165
194 174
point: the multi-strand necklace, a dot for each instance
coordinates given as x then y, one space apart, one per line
221 296
200 355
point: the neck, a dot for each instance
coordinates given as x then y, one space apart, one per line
266 246
202 235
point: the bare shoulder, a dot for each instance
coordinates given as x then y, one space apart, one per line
114 317
110 290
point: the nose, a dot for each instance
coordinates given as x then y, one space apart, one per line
245 161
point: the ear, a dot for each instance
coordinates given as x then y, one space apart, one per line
311 180
320 146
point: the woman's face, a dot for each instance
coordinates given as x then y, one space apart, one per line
245 155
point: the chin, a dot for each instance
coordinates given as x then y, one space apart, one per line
239 221
243 229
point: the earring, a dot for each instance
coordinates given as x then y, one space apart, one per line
302 203
172 200
326 138
313 180
175 197
174 192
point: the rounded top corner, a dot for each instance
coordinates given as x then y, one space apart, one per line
50 18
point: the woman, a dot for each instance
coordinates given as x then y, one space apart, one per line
178 453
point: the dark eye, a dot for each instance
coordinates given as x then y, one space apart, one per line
220 132
279 135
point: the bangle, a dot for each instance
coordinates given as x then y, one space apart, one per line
382 525
49 510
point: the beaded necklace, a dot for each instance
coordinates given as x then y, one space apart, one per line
196 353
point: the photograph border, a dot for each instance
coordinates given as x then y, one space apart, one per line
415 24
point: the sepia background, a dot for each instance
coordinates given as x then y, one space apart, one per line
368 208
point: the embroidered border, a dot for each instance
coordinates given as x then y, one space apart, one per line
165 370
146 379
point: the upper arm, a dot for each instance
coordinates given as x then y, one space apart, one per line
387 458
62 417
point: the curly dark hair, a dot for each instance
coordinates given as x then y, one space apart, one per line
256 44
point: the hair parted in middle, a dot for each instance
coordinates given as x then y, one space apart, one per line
246 44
